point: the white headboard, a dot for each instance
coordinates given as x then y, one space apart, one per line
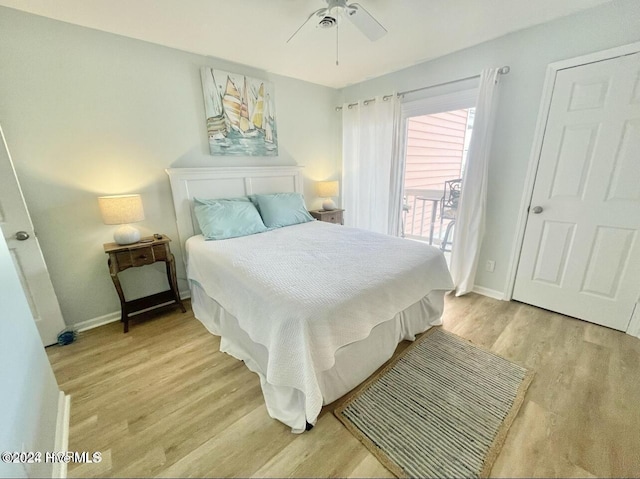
225 182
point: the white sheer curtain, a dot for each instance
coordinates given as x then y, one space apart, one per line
470 218
372 165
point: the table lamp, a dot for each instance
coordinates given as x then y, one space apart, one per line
122 210
327 190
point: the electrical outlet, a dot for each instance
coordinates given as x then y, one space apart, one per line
490 266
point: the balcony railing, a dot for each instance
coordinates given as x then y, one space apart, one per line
420 216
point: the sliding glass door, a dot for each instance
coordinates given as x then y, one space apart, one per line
437 135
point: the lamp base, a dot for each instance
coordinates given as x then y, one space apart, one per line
328 205
126 234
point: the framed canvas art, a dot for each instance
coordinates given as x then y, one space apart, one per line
241 118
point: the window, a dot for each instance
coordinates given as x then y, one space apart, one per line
437 135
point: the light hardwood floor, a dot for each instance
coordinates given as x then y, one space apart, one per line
163 401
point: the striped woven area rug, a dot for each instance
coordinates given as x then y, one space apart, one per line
442 408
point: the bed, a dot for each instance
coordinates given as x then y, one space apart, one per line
312 308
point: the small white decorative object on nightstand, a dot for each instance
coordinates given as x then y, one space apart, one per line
328 190
122 210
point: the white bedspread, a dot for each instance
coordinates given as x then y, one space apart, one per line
305 291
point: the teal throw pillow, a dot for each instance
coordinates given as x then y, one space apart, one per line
282 209
227 218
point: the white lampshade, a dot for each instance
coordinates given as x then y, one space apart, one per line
122 210
328 189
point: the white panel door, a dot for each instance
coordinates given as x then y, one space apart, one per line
17 229
581 250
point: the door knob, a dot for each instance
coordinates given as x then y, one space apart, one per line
22 235
537 210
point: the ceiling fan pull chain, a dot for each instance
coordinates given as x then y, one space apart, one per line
337 40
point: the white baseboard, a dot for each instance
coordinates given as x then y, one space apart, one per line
491 293
111 317
62 433
95 322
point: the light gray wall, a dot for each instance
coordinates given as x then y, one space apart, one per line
87 113
528 53
29 392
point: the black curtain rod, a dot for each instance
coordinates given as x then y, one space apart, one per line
502 71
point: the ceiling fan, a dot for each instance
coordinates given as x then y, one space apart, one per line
359 16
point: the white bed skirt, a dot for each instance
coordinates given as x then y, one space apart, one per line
353 362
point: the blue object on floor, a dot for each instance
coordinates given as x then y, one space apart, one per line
67 337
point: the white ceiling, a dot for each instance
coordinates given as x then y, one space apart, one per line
254 32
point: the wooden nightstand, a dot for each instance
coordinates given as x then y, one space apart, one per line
140 254
329 216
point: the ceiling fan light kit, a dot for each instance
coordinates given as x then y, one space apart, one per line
327 22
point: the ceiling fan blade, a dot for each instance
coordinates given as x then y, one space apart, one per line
365 22
319 12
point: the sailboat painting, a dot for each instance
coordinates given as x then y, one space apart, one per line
241 118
